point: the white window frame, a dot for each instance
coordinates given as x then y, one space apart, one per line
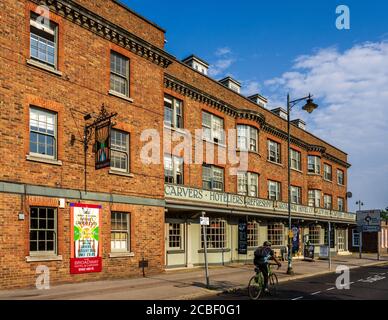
212 178
296 160
248 184
328 172
274 152
216 234
314 198
120 75
339 200
275 234
315 234
248 134
356 235
175 105
120 150
274 190
175 236
213 128
38 229
126 231
296 195
253 233
177 169
328 202
50 30
339 172
314 165
46 113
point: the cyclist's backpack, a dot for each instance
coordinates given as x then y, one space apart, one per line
262 255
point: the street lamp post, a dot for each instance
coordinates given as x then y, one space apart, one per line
309 107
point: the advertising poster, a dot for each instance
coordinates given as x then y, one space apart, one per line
85 239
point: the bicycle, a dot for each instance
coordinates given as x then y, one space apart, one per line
256 284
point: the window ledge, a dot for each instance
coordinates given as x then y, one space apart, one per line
123 174
341 185
314 174
175 251
179 130
114 255
43 258
119 95
249 151
327 180
214 250
42 66
44 160
276 163
296 170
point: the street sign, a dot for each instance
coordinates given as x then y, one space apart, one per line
205 221
369 221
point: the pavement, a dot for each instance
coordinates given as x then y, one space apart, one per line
185 284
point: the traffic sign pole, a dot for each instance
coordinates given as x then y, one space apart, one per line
205 251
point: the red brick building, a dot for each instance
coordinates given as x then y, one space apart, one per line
60 62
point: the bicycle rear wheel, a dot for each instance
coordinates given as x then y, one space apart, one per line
255 286
273 284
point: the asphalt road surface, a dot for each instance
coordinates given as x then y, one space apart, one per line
369 283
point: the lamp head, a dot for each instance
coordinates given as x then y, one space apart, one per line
310 105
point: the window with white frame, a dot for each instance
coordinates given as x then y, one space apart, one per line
247 184
175 236
119 151
274 151
247 138
340 177
314 198
296 158
173 169
120 232
215 234
276 234
355 238
315 234
213 128
43 133
119 74
43 40
328 172
173 112
328 201
314 164
274 190
43 231
253 233
341 204
296 195
212 178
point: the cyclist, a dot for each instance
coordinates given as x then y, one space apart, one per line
262 257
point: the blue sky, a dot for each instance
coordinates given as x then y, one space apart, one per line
274 47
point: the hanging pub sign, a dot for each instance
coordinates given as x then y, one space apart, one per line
242 237
85 238
102 147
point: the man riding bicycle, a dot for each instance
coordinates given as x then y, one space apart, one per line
262 257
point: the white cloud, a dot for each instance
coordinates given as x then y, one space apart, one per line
224 61
250 87
352 90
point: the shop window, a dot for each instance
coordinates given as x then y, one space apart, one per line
216 234
355 239
276 234
175 236
315 235
253 234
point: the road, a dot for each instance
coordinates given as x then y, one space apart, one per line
368 283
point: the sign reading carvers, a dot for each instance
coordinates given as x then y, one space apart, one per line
369 221
175 192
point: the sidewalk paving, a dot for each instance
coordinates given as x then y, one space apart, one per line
182 284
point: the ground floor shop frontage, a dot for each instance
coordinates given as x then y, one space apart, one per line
184 236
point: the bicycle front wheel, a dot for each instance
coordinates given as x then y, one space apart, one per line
273 284
255 287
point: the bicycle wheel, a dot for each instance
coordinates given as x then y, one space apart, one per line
255 286
273 284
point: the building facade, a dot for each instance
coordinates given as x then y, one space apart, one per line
61 61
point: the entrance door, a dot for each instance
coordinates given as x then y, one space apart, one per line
175 245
